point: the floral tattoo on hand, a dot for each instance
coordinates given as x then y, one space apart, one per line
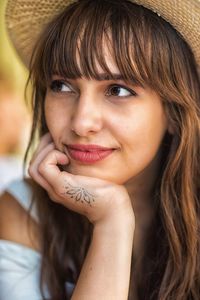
78 194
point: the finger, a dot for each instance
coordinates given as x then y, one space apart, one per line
43 183
33 170
35 162
49 169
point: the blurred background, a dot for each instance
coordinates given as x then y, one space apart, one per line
14 115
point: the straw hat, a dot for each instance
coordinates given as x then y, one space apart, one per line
26 18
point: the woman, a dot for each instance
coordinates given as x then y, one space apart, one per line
115 177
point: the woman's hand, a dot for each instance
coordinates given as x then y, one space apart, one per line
97 199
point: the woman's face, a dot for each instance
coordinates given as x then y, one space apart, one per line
127 119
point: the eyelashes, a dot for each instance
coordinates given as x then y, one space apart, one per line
113 90
120 91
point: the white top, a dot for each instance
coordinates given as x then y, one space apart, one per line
20 265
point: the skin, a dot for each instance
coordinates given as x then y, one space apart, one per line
86 112
133 122
79 194
133 125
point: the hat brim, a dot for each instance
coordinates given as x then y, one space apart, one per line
25 20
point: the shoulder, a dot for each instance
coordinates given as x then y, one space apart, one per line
15 223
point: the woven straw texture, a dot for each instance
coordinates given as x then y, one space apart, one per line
26 18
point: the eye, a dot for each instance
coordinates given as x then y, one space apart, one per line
120 91
58 86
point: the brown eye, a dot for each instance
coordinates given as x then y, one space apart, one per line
120 91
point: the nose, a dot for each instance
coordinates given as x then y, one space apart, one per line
86 118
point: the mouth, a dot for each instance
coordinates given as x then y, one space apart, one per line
88 154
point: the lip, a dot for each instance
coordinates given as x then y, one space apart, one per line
89 147
88 154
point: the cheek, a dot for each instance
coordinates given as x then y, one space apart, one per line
57 122
142 136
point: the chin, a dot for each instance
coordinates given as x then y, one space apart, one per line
84 170
90 171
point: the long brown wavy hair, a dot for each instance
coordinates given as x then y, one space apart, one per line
149 51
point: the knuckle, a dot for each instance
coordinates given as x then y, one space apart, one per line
41 168
52 197
58 187
58 190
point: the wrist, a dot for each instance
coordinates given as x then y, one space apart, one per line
116 224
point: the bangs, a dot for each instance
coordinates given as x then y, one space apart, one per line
73 44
